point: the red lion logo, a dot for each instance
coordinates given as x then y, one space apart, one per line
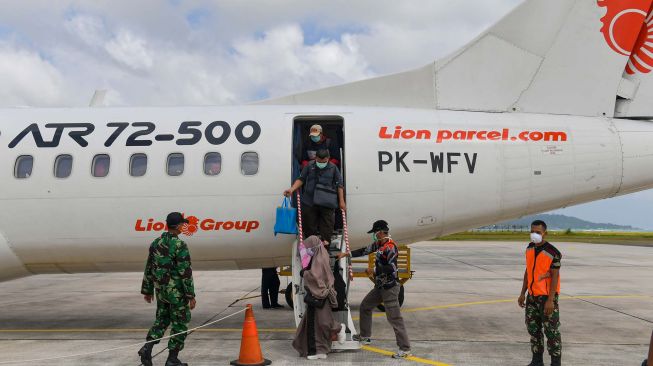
627 26
190 228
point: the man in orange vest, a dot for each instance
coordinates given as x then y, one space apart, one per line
542 281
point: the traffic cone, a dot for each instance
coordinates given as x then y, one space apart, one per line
250 348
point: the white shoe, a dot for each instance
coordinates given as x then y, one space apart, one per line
402 354
319 356
342 335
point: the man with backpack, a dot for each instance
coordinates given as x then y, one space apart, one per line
323 193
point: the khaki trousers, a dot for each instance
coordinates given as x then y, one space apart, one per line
390 299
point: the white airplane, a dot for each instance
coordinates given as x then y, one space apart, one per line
548 108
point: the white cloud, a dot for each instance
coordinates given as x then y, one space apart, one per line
151 54
26 79
130 50
282 63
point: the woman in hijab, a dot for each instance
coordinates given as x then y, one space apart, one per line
318 326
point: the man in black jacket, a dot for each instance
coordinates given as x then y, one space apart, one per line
323 192
386 288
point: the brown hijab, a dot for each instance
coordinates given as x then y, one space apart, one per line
319 278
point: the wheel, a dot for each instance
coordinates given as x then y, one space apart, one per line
288 295
401 299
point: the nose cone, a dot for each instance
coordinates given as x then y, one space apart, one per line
637 151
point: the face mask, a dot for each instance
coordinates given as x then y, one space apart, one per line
315 138
374 238
321 165
536 238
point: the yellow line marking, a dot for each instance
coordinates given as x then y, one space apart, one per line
412 358
291 330
127 330
490 302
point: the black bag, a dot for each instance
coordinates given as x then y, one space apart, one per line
341 288
326 195
313 301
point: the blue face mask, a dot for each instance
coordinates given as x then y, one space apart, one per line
321 165
315 138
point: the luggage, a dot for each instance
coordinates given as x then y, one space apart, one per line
286 220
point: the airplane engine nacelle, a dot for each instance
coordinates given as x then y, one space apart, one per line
10 266
637 149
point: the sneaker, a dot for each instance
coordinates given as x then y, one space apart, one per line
319 356
362 340
402 354
342 335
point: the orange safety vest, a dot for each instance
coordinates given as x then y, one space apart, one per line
538 268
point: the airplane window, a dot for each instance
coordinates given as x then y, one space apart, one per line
212 163
101 164
175 164
138 165
23 168
249 163
63 166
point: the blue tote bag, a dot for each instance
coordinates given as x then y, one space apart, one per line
286 222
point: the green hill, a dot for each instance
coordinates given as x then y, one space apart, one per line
558 222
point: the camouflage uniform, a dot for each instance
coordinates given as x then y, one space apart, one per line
536 320
168 273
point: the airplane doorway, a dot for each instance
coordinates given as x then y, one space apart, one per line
303 148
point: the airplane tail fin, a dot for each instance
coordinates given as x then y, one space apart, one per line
546 56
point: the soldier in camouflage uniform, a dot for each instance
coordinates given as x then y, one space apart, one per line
542 281
169 276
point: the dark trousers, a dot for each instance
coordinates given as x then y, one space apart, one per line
318 219
270 287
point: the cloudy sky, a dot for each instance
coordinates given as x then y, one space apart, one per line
194 52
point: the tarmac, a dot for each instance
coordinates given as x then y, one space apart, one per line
460 309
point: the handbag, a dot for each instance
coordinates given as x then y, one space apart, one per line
313 301
325 195
286 220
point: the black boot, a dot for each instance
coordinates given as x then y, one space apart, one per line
173 360
645 362
538 360
556 360
146 354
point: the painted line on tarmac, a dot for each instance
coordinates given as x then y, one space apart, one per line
490 302
289 330
128 330
411 358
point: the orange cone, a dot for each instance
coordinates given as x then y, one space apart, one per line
250 348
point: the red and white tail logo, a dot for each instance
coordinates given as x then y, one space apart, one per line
628 30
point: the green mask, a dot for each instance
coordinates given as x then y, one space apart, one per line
315 138
374 238
321 165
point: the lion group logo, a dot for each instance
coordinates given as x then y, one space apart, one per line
192 226
628 30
